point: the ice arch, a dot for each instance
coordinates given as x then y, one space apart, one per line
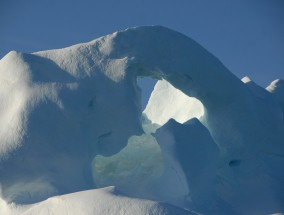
57 106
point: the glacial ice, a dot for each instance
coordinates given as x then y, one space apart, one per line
71 120
134 168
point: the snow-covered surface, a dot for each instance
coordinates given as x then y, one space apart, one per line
71 120
100 202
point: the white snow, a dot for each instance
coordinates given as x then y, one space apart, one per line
277 89
71 121
100 202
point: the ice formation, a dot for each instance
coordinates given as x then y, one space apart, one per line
130 170
67 115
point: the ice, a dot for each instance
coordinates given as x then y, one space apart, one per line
71 120
130 170
191 156
277 89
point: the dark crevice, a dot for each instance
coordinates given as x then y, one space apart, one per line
234 163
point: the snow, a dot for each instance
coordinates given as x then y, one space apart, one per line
71 121
100 201
277 89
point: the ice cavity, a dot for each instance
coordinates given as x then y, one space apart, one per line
135 168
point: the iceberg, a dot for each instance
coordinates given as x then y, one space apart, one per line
71 121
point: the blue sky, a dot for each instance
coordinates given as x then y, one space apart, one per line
246 35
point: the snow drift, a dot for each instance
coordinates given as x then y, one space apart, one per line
100 201
60 110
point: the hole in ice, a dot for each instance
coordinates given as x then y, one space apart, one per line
234 163
140 164
167 102
91 103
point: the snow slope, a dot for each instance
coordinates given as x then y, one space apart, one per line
62 112
100 202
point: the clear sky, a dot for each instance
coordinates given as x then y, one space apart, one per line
246 35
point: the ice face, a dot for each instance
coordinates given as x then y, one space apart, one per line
134 168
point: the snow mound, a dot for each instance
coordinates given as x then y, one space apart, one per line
100 202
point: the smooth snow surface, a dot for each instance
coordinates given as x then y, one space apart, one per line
99 202
71 120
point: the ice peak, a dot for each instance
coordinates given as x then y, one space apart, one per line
276 85
246 79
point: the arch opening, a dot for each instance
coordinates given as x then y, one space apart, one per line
146 85
167 102
140 164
